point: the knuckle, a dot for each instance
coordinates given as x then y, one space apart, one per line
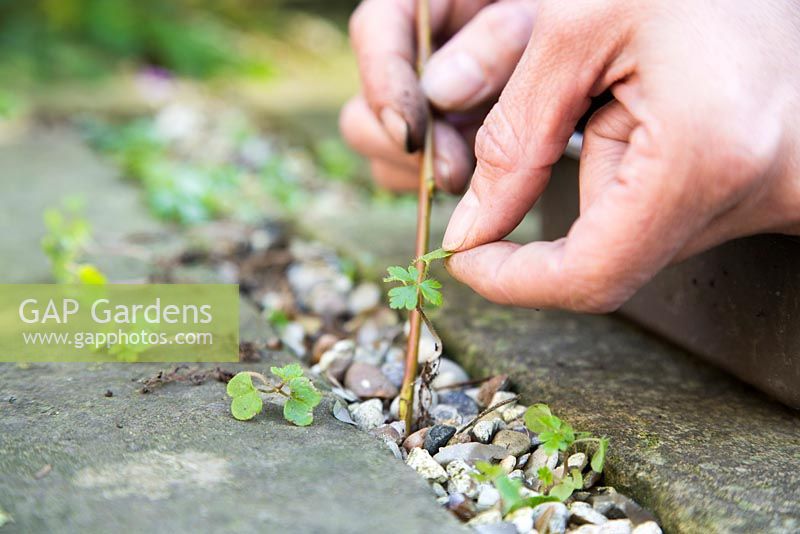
505 22
497 143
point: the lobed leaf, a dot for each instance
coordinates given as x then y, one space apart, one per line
403 297
399 274
430 291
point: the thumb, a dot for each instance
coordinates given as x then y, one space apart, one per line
527 130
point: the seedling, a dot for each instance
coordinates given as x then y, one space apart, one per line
68 236
508 488
556 435
415 291
301 397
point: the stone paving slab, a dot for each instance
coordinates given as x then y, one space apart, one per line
704 451
173 460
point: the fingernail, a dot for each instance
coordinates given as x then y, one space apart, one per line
453 80
395 126
461 222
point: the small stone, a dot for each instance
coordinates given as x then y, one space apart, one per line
514 412
461 480
517 474
516 443
461 507
437 437
459 438
367 381
502 396
400 427
648 527
616 506
484 430
438 489
577 461
461 401
444 414
450 373
522 518
470 452
365 297
337 359
503 527
324 343
394 372
616 526
591 478
415 440
489 388
368 414
522 460
488 496
585 529
486 518
293 336
386 433
582 513
420 460
582 496
508 463
537 460
551 517
370 356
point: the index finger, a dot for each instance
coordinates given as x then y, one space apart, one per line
383 33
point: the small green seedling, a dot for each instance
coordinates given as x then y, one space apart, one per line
301 397
556 435
508 488
68 236
417 288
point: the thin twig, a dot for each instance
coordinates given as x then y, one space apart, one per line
425 193
486 412
466 383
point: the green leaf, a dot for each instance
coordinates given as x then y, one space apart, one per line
545 475
403 297
247 406
538 418
599 457
299 408
298 413
536 500
487 472
302 390
399 274
509 491
570 483
240 384
438 254
287 372
430 291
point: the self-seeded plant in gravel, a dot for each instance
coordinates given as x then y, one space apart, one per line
508 488
556 435
415 290
300 393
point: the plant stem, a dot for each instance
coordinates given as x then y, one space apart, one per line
486 412
425 193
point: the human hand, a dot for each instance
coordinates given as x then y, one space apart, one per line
700 146
481 43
